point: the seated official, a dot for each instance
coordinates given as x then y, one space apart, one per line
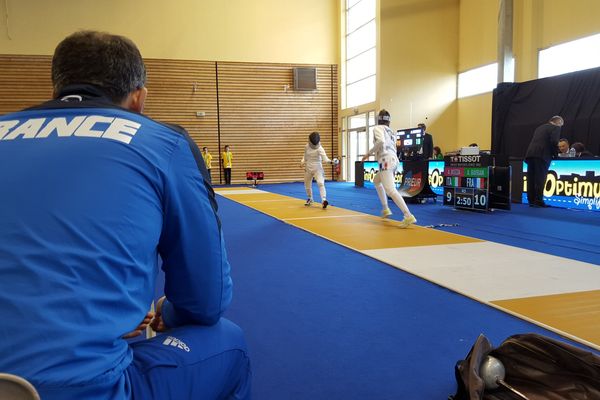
563 148
97 192
581 151
437 153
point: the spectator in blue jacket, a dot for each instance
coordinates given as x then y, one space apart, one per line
93 192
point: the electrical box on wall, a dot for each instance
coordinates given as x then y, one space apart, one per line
305 78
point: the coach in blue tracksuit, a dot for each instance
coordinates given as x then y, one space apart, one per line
92 192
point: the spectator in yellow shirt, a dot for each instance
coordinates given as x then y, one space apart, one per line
207 161
226 159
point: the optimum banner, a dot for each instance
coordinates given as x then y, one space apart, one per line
570 184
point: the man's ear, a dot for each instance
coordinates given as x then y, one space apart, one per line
135 100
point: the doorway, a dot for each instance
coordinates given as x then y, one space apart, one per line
357 131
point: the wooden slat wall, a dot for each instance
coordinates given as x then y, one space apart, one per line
265 124
177 89
24 82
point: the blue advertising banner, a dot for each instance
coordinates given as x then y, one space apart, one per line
372 167
570 184
435 175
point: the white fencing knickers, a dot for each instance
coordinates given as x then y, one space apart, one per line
318 174
384 184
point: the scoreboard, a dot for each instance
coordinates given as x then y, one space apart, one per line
466 187
466 181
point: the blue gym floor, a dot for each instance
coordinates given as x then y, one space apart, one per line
325 322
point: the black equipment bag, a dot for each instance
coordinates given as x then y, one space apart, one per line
539 367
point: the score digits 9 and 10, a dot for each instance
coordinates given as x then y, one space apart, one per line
466 187
466 198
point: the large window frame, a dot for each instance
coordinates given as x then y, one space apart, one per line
576 55
360 62
477 81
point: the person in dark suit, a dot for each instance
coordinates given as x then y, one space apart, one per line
541 149
427 142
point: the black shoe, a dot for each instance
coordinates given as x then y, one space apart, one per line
325 204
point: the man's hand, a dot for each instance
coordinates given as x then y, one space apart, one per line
141 327
157 324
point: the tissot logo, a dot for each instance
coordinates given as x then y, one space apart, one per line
466 159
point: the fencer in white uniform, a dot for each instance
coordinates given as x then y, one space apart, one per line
384 150
314 156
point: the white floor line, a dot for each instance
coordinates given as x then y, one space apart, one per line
240 191
328 216
486 271
491 271
266 201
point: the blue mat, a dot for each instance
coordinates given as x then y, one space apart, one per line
324 322
557 231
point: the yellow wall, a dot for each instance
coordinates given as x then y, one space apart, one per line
423 44
537 24
568 20
475 121
288 31
478 33
478 37
543 23
418 64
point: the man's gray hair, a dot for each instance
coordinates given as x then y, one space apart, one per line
110 62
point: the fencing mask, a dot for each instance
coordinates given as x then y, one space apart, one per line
314 139
383 118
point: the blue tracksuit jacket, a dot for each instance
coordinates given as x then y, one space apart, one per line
90 195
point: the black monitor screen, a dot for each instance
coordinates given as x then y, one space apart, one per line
410 138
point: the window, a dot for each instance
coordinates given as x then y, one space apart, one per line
361 55
572 56
360 66
361 92
359 14
478 80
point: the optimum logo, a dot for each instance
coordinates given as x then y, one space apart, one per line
591 203
172 341
436 179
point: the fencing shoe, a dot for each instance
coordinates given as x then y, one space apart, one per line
408 221
386 212
325 204
308 202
